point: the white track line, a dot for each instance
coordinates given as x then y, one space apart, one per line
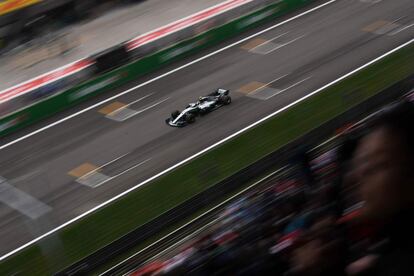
275 80
104 165
210 147
128 105
276 37
114 160
197 218
151 106
137 112
164 75
401 29
131 168
287 88
267 84
140 99
123 172
267 41
284 44
293 85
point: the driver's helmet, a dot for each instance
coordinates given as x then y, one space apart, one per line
200 99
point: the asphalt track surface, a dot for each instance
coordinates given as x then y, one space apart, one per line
297 58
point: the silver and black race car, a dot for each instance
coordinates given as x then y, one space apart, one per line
203 106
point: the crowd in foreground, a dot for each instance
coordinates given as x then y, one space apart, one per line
347 210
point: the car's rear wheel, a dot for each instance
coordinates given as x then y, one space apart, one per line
175 114
226 100
190 118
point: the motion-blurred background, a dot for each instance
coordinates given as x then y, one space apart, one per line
306 170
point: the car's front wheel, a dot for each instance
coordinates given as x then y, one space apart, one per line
175 114
190 118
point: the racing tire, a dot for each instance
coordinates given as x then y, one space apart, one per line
190 118
175 114
226 100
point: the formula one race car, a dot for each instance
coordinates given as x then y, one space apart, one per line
203 106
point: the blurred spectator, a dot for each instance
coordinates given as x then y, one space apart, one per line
383 168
